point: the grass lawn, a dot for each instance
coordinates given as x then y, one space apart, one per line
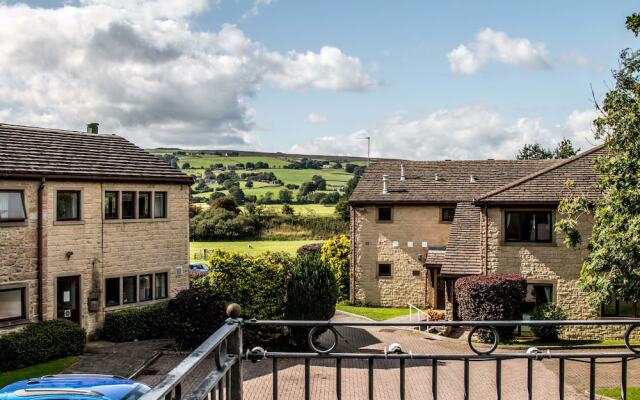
375 313
633 393
257 246
48 368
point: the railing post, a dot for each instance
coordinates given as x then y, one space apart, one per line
234 347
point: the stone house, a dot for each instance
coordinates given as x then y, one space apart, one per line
417 226
89 223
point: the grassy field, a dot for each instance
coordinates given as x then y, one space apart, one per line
302 209
48 368
633 393
375 313
250 247
203 161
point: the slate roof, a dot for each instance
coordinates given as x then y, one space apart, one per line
29 152
453 185
548 185
464 246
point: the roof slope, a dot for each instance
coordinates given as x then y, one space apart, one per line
548 185
38 152
463 249
453 184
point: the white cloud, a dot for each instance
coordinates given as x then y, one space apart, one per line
490 45
574 58
139 69
314 118
255 9
473 132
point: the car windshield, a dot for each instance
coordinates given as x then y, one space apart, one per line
137 392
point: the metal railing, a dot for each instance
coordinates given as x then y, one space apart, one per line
418 312
225 378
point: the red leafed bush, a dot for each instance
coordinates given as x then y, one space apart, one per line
491 298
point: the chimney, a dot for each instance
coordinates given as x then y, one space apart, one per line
402 172
385 182
472 179
92 127
437 178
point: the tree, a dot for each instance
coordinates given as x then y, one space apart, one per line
612 267
237 194
335 252
342 208
186 165
227 203
285 196
287 209
248 183
534 152
565 149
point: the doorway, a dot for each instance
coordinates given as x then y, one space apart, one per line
68 298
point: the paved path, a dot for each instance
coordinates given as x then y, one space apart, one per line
258 378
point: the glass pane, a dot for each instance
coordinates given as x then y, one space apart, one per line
128 205
67 205
448 214
543 226
129 289
384 269
11 304
512 231
160 205
609 309
528 226
11 205
111 205
625 309
112 292
161 286
145 287
144 205
384 214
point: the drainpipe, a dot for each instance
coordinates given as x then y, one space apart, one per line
353 254
486 240
40 248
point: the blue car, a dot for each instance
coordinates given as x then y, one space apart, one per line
74 387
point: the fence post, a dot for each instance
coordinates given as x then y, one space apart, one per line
234 346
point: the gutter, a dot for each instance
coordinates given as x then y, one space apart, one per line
40 249
187 180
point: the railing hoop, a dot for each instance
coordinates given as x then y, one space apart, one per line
494 346
627 338
323 351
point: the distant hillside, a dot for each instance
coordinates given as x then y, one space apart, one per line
161 150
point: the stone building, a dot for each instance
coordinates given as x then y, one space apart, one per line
417 226
89 223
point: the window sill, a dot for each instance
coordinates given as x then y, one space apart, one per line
13 322
134 220
528 244
137 304
384 277
446 222
12 224
383 222
71 222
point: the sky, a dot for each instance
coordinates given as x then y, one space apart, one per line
422 79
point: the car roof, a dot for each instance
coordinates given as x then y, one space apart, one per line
75 386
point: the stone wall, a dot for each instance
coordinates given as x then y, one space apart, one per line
373 244
548 263
18 250
95 249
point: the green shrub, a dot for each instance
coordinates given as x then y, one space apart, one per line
546 312
140 323
336 253
196 313
491 298
311 248
312 291
41 342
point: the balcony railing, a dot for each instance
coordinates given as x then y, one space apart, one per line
224 380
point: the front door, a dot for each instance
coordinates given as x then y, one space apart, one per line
68 298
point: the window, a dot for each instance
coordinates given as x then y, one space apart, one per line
111 205
68 205
537 294
448 213
384 213
384 270
161 286
128 205
619 308
160 205
129 289
112 292
12 304
145 287
528 226
12 205
144 205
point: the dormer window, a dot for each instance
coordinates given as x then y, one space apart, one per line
12 206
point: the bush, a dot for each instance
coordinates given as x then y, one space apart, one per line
311 248
312 291
336 252
196 313
143 323
491 298
546 312
41 342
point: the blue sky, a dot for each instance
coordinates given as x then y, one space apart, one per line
523 73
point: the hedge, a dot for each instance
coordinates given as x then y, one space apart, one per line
491 298
546 312
143 323
41 342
